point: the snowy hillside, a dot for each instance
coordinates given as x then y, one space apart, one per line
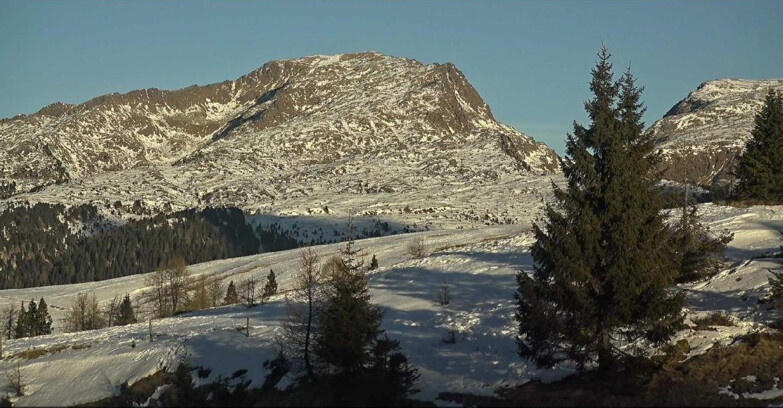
288 137
479 265
701 135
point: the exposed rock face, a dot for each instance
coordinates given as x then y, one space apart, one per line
701 135
361 123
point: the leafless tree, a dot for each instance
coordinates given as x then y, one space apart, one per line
9 315
178 278
168 287
416 248
301 306
248 290
112 310
443 296
201 297
215 291
16 380
84 313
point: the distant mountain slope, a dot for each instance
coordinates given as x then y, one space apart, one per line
702 134
307 129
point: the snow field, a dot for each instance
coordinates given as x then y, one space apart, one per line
478 265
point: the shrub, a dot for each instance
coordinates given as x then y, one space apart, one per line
443 295
715 319
416 248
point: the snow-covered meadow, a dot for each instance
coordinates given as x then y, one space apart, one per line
478 265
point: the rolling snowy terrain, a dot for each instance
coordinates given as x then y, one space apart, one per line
478 264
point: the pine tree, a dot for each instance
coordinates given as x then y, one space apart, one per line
270 288
760 166
22 324
43 319
603 263
232 297
776 283
697 252
32 319
348 321
373 263
397 376
126 315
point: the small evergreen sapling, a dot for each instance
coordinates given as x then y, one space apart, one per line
776 283
270 288
232 297
126 314
698 253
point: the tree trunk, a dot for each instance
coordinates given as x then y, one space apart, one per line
605 358
308 365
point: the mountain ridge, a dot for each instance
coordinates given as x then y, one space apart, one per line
702 134
292 128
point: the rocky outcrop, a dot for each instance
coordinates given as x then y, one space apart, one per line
701 136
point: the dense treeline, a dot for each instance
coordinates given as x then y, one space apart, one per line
38 245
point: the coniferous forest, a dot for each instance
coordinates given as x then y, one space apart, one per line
39 246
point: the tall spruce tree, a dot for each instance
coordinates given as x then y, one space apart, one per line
760 166
43 319
348 322
32 319
603 262
22 324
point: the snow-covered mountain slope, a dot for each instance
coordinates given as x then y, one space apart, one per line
701 135
361 125
479 265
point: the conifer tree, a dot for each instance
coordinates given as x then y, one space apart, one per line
270 288
232 297
22 324
603 262
348 321
43 319
373 263
760 166
32 319
776 283
396 374
698 253
126 315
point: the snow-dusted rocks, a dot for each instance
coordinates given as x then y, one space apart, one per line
349 125
701 135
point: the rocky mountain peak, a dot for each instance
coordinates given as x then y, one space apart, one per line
701 135
334 122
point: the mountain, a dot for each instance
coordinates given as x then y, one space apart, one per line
702 134
312 128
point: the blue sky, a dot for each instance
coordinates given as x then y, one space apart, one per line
530 60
